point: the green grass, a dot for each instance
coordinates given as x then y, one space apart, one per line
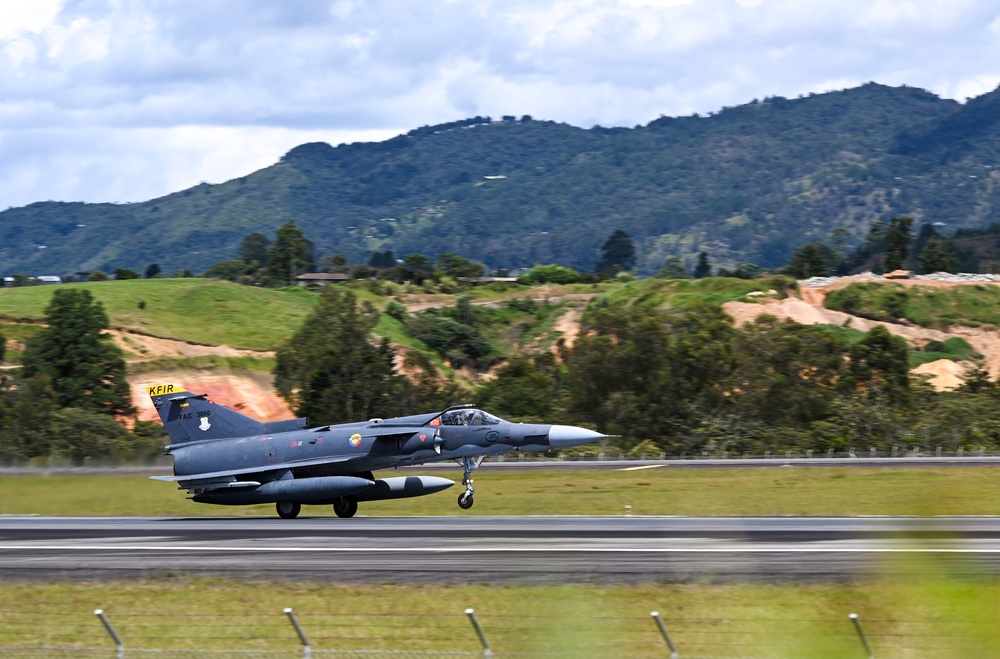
17 334
902 618
683 293
956 349
976 305
199 310
912 606
215 363
812 491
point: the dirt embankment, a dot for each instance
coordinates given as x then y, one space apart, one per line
809 310
250 394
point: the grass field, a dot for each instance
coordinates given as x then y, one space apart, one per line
200 310
809 491
683 293
903 616
976 305
935 618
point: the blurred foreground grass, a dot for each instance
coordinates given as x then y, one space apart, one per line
664 491
932 618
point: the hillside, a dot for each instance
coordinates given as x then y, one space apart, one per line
749 183
194 310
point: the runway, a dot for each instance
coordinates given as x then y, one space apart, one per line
528 550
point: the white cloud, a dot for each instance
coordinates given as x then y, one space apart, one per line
128 99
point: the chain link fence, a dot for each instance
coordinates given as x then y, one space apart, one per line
535 634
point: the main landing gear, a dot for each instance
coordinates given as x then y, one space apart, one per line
465 500
345 507
289 509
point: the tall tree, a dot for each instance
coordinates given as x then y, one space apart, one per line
703 268
86 369
291 255
254 248
937 256
617 253
897 242
153 270
673 268
812 260
878 366
454 265
331 370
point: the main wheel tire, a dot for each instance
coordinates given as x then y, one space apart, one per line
288 509
465 501
345 507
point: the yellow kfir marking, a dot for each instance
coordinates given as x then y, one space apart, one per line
642 467
162 389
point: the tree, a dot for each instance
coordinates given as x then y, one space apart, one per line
812 260
937 256
335 263
153 270
702 269
673 268
382 260
292 253
897 242
550 274
122 274
878 366
254 248
617 254
331 371
229 270
520 389
418 268
454 265
85 368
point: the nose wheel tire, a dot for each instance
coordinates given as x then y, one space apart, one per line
345 507
465 501
288 509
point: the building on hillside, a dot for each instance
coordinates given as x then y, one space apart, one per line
319 279
40 279
476 281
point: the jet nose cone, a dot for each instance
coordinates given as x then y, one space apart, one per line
566 436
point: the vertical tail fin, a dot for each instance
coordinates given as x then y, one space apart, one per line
189 417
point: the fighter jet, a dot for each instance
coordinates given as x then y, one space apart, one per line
224 457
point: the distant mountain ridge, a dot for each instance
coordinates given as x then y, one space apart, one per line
746 184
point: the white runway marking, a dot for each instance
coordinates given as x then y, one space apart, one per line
770 549
642 467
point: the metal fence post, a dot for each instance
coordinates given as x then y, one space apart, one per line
306 648
861 633
119 646
666 636
487 652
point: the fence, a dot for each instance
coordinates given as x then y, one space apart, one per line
534 634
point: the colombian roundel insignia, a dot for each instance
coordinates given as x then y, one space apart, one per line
355 439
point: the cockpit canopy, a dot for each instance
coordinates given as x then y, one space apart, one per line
469 417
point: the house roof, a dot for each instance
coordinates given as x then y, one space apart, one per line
323 276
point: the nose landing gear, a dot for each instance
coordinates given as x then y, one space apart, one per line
465 499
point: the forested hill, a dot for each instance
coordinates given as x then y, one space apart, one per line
749 183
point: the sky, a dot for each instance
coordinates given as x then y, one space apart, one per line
128 100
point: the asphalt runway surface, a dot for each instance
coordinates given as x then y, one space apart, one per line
526 550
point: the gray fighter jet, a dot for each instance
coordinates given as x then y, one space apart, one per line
224 457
